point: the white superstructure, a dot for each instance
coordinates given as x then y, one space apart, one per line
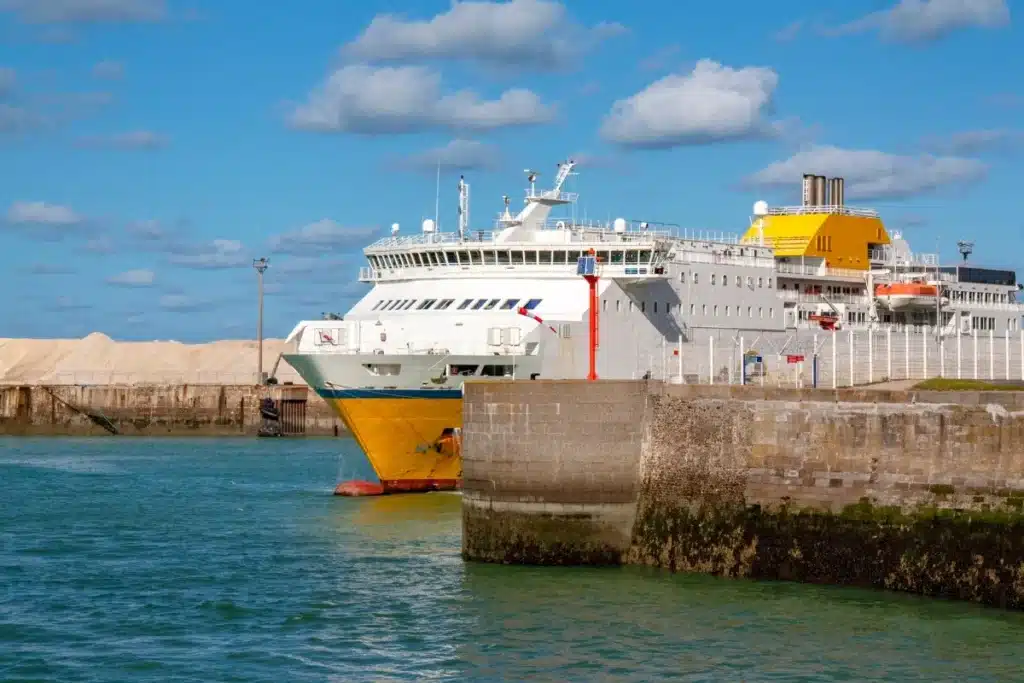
507 302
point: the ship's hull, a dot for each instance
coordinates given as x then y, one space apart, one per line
405 434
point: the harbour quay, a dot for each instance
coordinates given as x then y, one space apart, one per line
915 491
164 410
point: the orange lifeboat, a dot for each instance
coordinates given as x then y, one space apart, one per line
900 295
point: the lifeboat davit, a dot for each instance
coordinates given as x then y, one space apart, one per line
900 295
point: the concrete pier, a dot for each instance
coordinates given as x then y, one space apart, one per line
160 410
912 491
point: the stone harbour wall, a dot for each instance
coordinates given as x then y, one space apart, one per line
912 491
155 410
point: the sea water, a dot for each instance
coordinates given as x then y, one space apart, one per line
228 560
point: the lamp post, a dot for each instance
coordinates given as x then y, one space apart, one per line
261 266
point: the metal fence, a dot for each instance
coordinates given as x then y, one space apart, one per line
844 358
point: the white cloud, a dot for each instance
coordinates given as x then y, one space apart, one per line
369 100
535 33
788 32
870 174
461 155
133 278
923 20
977 141
8 81
139 139
18 119
712 103
182 303
49 269
108 70
85 11
218 254
322 235
41 213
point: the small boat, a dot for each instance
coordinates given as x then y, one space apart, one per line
901 295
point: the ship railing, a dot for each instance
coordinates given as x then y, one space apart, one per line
886 256
986 306
818 271
823 299
554 195
613 270
832 210
722 259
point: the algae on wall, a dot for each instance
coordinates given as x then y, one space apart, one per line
701 509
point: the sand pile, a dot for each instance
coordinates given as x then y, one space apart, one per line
97 359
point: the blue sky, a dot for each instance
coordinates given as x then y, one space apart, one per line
150 150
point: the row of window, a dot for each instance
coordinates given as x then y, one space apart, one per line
667 307
738 279
444 304
503 257
981 297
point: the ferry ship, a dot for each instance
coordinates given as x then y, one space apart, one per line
509 302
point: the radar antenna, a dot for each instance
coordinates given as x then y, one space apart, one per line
531 176
966 248
463 207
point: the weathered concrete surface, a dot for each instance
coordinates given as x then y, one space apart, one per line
913 491
201 410
550 480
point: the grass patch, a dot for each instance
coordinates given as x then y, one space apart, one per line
946 384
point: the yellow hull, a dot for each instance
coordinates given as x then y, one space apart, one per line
410 437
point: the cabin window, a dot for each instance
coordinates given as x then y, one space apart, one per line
383 369
462 370
750 311
517 257
771 312
632 257
489 258
544 258
560 257
427 303
445 303
465 304
645 256
655 306
618 305
509 304
725 280
760 283
602 257
704 309
604 305
496 371
474 258
769 285
643 306
713 279
693 309
479 304
716 309
491 304
532 304
503 258
696 279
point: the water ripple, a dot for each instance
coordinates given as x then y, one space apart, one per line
164 560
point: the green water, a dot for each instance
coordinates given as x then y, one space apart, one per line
228 560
